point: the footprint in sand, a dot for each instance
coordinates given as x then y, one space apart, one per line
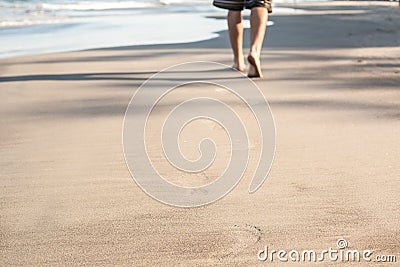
239 238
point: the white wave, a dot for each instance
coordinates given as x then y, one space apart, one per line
169 2
28 22
82 6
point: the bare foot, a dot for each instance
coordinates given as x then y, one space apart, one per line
255 66
240 67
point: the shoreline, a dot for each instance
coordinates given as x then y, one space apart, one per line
211 24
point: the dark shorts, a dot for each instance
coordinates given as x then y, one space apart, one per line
242 4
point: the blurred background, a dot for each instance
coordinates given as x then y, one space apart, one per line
37 26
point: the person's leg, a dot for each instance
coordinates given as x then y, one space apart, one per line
258 24
235 26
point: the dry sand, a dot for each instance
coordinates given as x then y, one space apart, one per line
332 80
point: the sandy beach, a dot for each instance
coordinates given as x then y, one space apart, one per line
332 76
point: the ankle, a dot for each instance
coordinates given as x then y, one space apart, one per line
239 60
254 52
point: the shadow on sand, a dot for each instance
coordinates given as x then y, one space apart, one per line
290 33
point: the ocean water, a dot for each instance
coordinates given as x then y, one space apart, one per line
34 12
43 26
36 26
